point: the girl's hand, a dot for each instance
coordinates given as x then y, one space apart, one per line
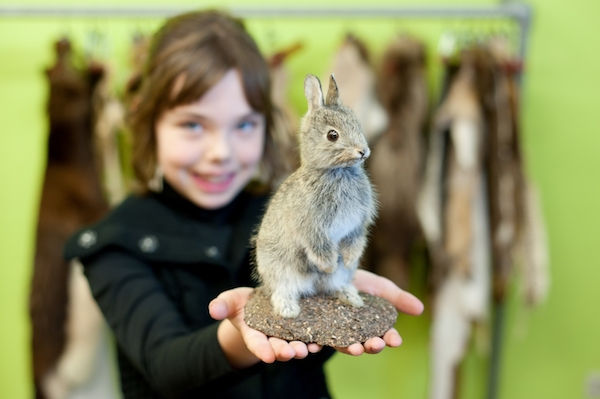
243 345
404 301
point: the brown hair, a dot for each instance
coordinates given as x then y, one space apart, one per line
189 54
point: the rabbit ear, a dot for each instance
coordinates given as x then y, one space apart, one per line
313 92
333 94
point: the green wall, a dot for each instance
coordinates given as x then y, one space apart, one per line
550 352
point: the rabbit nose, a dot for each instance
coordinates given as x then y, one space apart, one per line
364 153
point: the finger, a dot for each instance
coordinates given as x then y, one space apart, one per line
260 346
300 348
314 348
228 302
374 345
354 350
380 286
283 350
392 338
256 342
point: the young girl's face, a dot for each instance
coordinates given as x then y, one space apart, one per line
210 149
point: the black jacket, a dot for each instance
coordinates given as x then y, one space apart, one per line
153 264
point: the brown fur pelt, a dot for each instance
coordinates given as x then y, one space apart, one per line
71 197
506 176
397 157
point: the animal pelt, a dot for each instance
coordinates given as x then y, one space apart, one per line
479 99
112 140
520 233
353 71
140 46
285 119
475 205
71 197
454 212
397 163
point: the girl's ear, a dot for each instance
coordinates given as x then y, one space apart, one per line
333 94
313 92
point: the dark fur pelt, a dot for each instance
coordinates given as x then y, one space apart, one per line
397 159
71 197
498 91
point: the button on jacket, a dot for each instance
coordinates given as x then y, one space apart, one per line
153 264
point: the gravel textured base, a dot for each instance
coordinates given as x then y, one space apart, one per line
323 320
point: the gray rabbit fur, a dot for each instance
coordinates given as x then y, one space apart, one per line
314 230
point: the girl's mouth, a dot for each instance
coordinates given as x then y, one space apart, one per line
213 183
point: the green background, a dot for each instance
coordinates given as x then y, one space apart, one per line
550 352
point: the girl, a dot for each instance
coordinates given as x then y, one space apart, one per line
202 133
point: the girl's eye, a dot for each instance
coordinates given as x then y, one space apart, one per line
193 126
246 126
332 135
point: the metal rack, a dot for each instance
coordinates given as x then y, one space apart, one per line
517 12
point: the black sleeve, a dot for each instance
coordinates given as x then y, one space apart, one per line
149 328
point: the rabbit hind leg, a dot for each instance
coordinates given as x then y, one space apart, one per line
349 294
340 285
284 304
288 291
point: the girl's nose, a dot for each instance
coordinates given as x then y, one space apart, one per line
219 147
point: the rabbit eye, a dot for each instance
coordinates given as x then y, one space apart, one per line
332 135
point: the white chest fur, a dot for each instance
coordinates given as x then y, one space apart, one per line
343 224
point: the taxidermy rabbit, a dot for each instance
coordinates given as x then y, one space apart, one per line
314 230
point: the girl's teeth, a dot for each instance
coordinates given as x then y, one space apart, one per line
216 179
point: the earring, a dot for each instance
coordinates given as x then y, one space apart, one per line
156 182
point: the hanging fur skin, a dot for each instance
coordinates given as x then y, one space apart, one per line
313 233
109 130
475 206
453 210
353 71
397 162
284 118
71 197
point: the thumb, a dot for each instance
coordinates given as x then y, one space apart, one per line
228 303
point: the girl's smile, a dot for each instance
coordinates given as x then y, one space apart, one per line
214 183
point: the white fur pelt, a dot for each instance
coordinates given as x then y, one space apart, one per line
285 126
85 369
353 72
457 230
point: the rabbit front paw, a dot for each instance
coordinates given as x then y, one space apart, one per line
324 264
349 260
327 267
352 250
